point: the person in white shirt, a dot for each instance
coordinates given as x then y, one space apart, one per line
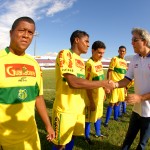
139 70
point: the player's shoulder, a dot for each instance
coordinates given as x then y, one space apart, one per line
89 62
31 59
113 59
3 52
64 52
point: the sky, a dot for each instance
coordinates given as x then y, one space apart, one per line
110 21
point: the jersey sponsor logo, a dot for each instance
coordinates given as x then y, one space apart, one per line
18 70
79 64
22 94
123 64
22 79
98 68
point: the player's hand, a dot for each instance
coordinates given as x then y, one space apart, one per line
109 85
107 91
133 98
51 134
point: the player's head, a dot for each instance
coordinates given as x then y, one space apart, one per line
98 50
140 40
18 20
79 41
21 35
122 51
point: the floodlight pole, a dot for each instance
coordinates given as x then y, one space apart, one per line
35 34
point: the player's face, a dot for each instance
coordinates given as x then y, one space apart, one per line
122 52
83 44
138 43
21 37
98 54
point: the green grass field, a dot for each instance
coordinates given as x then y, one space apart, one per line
115 132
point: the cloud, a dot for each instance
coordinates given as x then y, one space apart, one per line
37 9
58 6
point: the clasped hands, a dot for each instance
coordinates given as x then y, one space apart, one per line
109 86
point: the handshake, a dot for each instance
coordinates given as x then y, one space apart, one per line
109 85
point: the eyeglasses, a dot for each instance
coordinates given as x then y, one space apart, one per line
136 39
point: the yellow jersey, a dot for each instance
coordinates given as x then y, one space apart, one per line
68 99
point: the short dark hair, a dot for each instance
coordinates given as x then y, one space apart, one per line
77 33
17 21
122 47
98 44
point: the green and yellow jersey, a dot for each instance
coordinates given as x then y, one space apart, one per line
68 99
94 72
20 84
119 67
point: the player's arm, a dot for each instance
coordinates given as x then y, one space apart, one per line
136 98
90 97
109 74
41 108
122 83
79 83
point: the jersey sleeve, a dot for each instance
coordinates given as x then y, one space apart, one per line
112 63
39 81
88 71
65 62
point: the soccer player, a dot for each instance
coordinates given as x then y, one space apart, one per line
122 105
95 97
69 105
21 90
116 72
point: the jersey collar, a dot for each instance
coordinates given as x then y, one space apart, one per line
7 50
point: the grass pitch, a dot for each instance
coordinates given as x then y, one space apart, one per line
115 132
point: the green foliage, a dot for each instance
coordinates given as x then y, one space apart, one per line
115 133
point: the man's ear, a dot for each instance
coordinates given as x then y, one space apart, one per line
76 40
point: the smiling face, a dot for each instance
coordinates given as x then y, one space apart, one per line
21 37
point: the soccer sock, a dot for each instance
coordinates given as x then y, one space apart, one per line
54 147
116 110
87 129
124 107
97 125
119 109
108 114
70 145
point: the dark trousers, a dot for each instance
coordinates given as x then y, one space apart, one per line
136 124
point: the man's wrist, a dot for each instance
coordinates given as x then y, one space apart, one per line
116 85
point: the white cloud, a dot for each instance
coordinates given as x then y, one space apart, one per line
12 9
60 5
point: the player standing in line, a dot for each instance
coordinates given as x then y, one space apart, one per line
95 97
122 105
69 105
116 72
21 89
